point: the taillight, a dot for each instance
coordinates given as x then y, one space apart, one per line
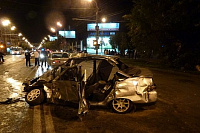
56 61
151 87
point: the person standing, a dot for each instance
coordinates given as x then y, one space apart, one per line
37 55
44 57
28 56
1 56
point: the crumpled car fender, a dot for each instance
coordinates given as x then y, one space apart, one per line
136 89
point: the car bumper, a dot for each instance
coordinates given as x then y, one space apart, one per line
148 97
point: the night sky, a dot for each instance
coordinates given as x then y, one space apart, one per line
35 17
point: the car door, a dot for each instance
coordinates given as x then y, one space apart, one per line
68 87
65 85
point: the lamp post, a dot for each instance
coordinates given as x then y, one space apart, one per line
103 20
12 35
5 23
96 27
19 37
54 30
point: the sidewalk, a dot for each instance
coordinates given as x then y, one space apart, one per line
156 65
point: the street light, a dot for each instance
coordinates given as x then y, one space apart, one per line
1 46
59 24
13 28
56 30
53 30
97 27
20 34
12 35
5 22
103 20
19 38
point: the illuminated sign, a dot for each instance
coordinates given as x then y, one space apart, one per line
103 26
67 34
100 34
105 41
112 33
52 38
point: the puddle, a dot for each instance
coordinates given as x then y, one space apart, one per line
12 88
40 71
15 87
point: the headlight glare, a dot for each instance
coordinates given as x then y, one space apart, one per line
135 83
41 56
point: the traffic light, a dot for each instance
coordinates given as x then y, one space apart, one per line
95 43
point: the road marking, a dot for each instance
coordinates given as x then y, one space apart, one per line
37 125
48 120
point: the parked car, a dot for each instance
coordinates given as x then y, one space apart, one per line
57 58
99 80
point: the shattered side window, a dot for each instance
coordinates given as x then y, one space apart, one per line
73 62
121 65
87 66
69 74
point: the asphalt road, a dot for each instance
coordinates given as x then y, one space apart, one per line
177 109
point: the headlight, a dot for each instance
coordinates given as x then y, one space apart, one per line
41 56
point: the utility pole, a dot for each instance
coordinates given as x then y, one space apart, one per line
97 28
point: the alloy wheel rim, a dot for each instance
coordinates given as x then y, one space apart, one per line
34 94
121 105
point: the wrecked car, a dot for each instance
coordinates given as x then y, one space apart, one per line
93 80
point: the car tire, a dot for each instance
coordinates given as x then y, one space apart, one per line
122 105
35 97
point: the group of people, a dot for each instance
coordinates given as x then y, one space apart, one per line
37 55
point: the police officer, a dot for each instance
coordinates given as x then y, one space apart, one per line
28 56
44 56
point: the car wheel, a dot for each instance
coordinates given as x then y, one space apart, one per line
35 97
122 105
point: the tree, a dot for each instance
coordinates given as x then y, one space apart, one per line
120 41
24 46
169 27
50 45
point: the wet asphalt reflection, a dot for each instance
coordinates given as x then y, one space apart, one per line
13 73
